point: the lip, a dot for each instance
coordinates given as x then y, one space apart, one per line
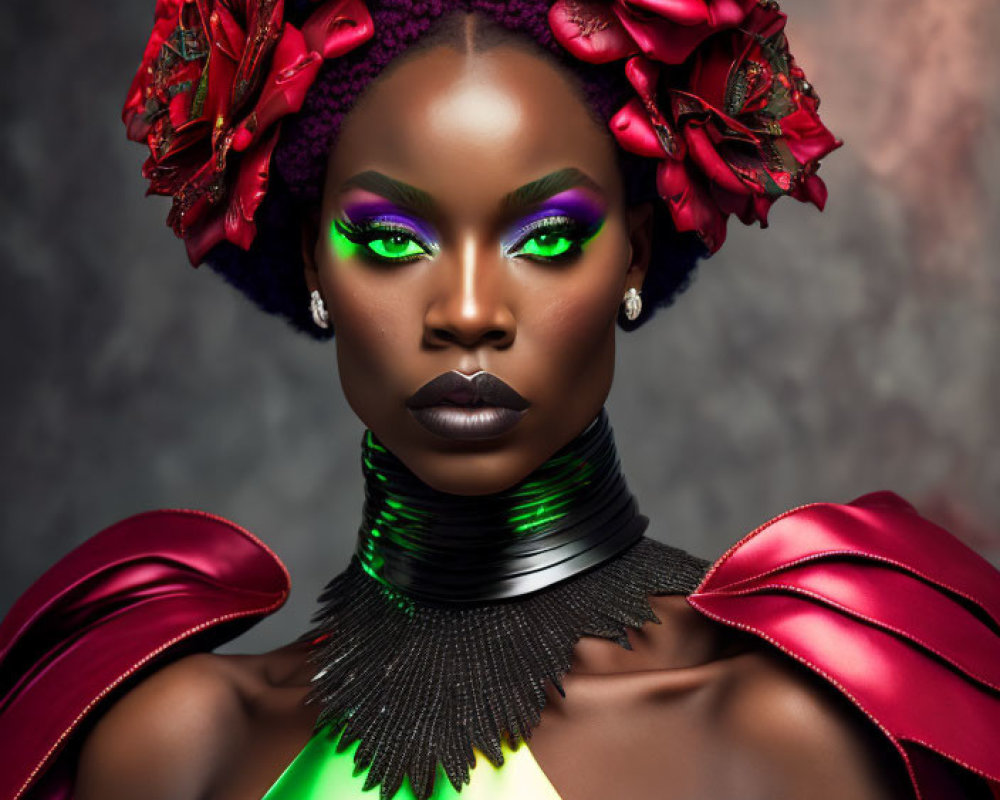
467 407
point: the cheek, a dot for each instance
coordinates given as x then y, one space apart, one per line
575 316
575 323
568 332
373 315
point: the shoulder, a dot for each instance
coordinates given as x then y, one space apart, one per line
166 737
891 614
131 596
810 741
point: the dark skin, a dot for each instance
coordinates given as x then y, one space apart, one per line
546 328
224 727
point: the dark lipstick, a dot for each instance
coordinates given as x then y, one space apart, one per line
467 407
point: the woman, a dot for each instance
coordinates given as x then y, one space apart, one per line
450 201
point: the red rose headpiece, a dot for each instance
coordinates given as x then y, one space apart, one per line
215 81
719 101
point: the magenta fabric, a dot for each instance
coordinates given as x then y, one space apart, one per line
892 610
152 586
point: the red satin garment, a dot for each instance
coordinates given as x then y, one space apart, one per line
153 586
892 610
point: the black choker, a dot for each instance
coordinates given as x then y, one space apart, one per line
572 513
421 682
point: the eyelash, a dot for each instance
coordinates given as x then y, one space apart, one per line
364 233
575 231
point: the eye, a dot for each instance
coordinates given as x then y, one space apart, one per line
395 247
547 245
383 242
552 239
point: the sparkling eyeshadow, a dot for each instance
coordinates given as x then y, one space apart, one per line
576 204
365 211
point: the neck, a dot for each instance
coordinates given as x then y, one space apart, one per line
571 514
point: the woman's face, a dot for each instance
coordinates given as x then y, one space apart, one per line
473 222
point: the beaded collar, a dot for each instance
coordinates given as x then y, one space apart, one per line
455 612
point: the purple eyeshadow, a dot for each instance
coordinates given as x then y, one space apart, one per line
573 203
369 211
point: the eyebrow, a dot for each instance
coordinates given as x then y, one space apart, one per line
524 196
547 186
395 191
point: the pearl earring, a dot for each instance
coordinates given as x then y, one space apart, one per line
318 310
632 301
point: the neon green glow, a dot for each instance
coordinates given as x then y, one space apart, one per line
547 245
343 248
533 508
393 246
319 772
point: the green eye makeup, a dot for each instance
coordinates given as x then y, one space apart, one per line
557 231
379 241
551 239
382 233
548 245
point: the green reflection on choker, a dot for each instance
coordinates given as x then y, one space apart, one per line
572 513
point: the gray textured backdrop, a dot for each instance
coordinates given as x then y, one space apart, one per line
831 355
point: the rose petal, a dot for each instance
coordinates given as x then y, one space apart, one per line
691 207
217 101
715 167
590 31
337 27
660 39
165 18
263 31
683 12
249 191
632 129
749 208
730 202
764 20
711 71
715 13
811 189
293 70
807 137
761 206
226 34
643 74
200 241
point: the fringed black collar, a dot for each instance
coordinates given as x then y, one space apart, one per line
442 632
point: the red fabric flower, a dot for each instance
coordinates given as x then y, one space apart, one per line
735 126
215 81
667 31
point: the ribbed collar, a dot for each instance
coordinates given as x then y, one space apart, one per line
571 514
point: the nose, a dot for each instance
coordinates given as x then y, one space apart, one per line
469 307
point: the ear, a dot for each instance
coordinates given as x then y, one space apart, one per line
640 234
310 236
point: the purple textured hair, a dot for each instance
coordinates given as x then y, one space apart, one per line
271 273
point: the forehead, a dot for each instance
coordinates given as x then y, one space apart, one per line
469 128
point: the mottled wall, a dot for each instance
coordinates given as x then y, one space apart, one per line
830 355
